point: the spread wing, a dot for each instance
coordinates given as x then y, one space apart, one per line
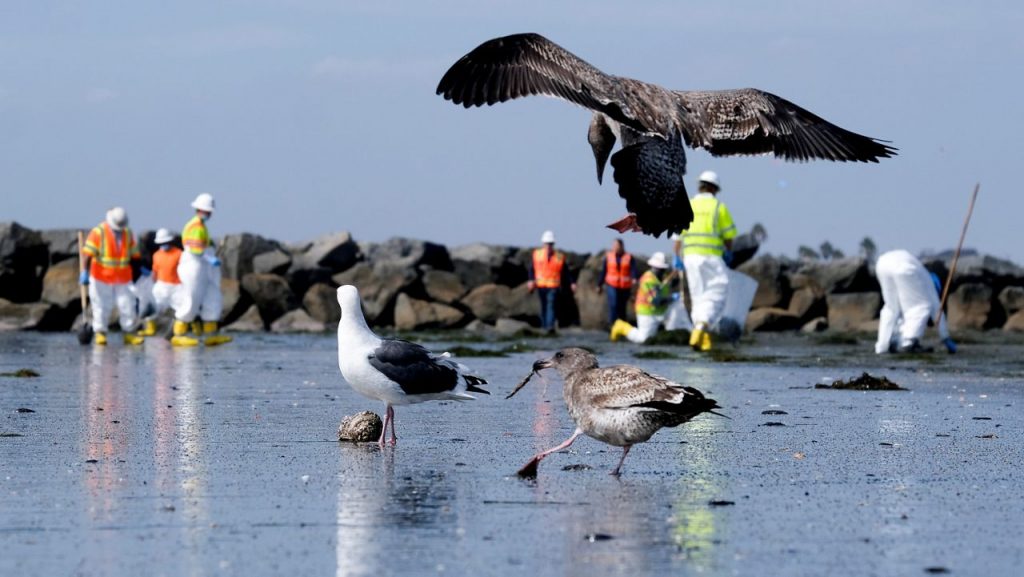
529 64
751 121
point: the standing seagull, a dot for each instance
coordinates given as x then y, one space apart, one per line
621 405
652 123
392 370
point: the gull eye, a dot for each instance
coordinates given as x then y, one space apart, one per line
559 355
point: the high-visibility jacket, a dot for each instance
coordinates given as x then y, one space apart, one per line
652 296
111 254
618 270
194 237
712 225
165 265
547 271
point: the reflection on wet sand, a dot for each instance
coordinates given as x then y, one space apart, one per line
374 500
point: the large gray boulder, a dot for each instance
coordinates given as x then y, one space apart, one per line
414 314
1015 323
772 286
845 275
234 301
768 319
1012 299
379 285
23 316
491 302
479 264
321 302
62 243
408 253
297 321
276 261
592 305
24 256
335 252
271 294
61 289
851 311
443 286
807 303
237 251
969 306
249 322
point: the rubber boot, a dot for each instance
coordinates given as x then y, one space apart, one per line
180 338
620 329
133 339
212 338
100 338
697 336
197 328
148 328
705 342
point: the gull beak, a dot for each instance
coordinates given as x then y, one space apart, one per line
542 364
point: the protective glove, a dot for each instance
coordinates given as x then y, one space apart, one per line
677 262
143 271
950 345
83 277
727 257
214 261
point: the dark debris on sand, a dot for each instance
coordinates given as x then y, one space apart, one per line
865 382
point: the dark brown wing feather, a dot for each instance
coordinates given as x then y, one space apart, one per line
529 64
751 121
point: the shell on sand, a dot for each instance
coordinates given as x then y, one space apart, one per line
360 428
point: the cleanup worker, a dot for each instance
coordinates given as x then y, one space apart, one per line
653 297
547 275
166 282
199 271
108 251
618 274
911 297
705 247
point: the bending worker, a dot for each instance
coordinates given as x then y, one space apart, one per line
705 249
911 297
653 297
167 283
199 271
109 250
618 273
548 274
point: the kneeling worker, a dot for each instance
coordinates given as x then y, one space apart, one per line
653 297
165 273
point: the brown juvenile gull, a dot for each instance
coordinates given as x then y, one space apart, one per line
652 122
621 405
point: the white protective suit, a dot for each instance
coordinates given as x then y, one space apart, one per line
708 279
103 297
199 292
909 297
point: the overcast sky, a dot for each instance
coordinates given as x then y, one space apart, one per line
306 117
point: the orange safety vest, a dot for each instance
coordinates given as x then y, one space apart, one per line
617 273
111 261
547 272
165 265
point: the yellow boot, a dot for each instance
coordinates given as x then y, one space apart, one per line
620 329
697 336
197 328
705 342
100 338
148 328
212 338
180 338
133 339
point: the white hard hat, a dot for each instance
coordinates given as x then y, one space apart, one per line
657 260
163 236
204 202
710 177
547 237
117 218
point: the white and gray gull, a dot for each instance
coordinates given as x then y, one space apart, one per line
395 371
652 122
620 405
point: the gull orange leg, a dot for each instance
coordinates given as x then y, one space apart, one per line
625 451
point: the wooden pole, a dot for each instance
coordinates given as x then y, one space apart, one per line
956 255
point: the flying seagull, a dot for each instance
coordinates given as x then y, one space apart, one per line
395 371
651 122
620 405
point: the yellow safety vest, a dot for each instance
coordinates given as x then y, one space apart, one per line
652 295
194 237
712 225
